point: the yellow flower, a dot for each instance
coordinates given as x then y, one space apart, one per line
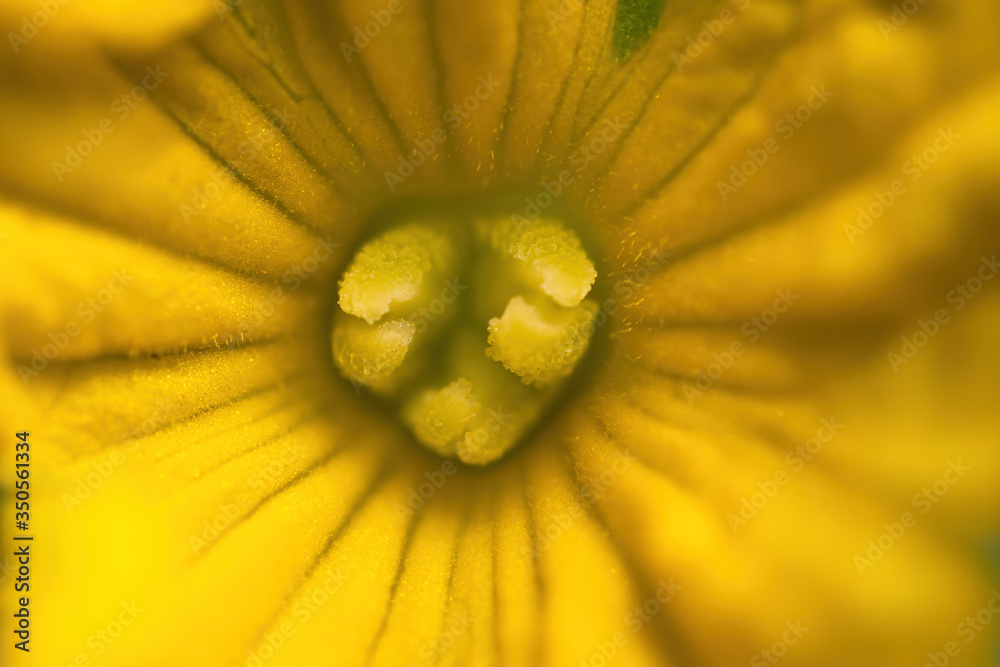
781 447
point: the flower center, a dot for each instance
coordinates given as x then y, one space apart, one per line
466 326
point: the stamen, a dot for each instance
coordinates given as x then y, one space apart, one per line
468 382
549 256
368 354
539 341
439 417
395 268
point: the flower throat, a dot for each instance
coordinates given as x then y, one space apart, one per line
468 326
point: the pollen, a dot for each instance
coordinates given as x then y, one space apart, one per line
539 341
468 329
392 269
